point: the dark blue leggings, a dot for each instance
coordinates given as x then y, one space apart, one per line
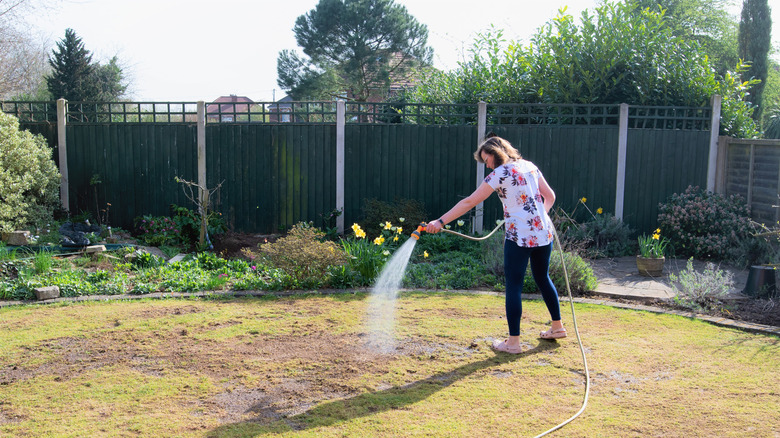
515 263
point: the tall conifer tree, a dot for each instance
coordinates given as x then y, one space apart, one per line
72 70
755 35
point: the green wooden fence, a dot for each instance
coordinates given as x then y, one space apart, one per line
279 167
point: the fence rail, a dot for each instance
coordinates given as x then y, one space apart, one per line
640 117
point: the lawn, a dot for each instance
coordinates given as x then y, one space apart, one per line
301 366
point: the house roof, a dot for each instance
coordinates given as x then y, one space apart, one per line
229 104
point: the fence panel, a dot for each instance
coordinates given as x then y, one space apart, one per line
753 172
274 175
431 164
577 161
130 166
660 163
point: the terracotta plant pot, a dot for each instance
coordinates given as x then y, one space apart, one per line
650 267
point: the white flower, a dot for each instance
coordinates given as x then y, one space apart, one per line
400 219
461 223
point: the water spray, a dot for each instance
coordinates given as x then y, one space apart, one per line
418 232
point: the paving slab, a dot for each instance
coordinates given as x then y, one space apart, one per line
619 278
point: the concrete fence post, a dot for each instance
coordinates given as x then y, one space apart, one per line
201 133
62 147
478 226
712 163
341 120
620 191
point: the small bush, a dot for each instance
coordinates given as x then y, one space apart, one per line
603 236
29 180
157 230
581 277
701 291
302 254
705 225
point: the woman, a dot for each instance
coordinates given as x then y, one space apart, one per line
527 198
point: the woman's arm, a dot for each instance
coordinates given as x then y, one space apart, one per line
547 193
483 192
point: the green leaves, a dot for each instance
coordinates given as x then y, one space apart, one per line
618 53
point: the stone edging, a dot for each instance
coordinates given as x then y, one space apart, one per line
725 322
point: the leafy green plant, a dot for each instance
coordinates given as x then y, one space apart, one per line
705 225
189 224
652 246
42 262
581 277
157 230
302 253
29 180
365 258
603 236
701 291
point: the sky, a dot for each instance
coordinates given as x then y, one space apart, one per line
191 50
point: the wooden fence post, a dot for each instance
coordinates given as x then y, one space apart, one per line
712 164
62 148
478 226
201 132
621 161
341 119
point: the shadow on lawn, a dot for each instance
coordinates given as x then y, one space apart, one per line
397 397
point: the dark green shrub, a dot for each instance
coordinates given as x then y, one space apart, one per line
603 236
188 222
581 277
376 213
705 225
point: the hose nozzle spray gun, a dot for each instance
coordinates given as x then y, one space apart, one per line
420 228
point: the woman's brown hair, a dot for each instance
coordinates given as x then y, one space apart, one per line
501 150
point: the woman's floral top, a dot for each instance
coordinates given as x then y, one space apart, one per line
517 184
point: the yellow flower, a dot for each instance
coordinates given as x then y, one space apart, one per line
425 254
583 199
379 240
388 225
656 236
399 230
599 210
657 231
395 239
355 228
360 233
460 223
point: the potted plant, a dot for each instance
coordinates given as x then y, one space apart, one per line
650 261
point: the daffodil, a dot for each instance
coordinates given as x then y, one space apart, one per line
399 230
461 223
657 231
448 226
360 233
425 254
355 227
386 252
379 240
395 239
583 199
400 219
656 236
599 210
388 225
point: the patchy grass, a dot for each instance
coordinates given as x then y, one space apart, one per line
300 367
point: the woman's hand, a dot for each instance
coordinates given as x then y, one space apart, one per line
434 227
